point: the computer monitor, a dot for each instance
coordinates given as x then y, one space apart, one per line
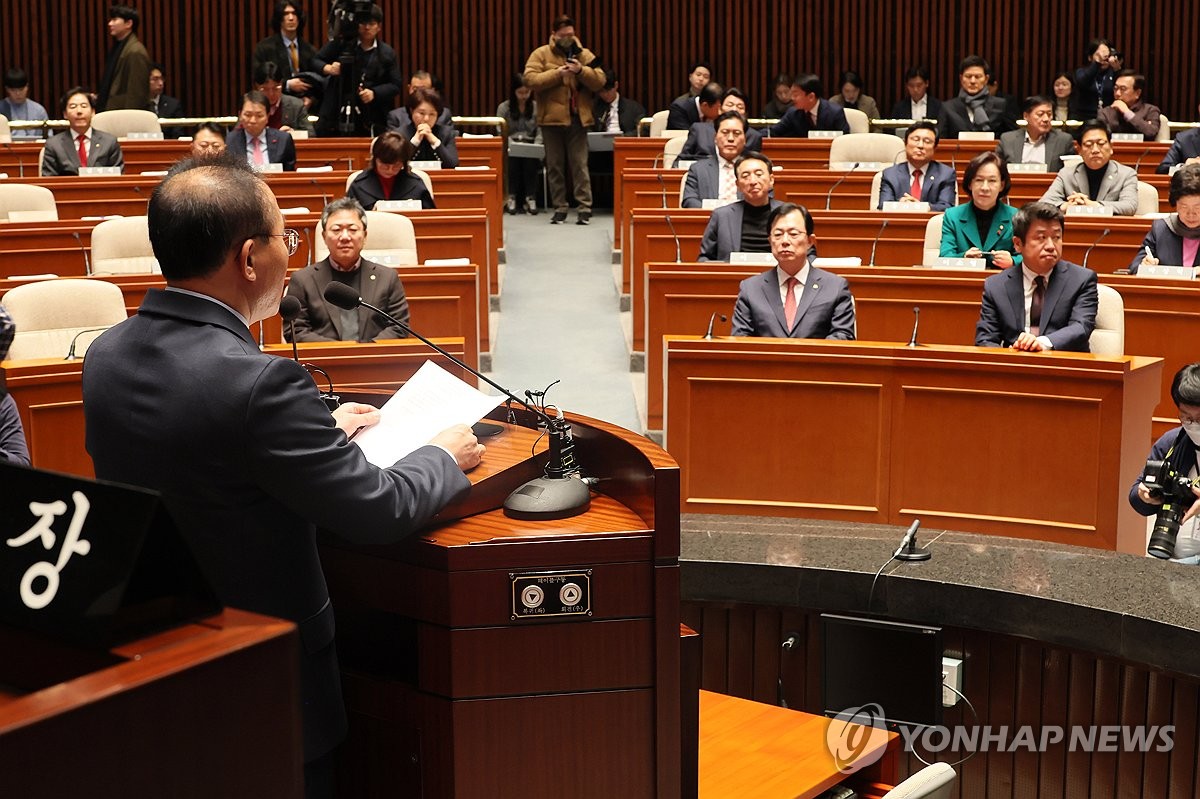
894 665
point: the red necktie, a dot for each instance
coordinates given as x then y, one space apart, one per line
789 304
1035 306
915 191
82 149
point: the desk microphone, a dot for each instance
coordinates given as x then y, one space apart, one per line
708 333
908 549
662 186
875 243
1140 157
320 188
289 309
912 340
675 236
87 261
20 161
1099 239
71 356
840 181
561 492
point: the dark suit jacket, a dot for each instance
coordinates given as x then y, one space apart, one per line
1085 101
367 190
684 112
1068 312
272 49
280 147
447 153
62 153
1186 145
379 73
724 232
903 109
380 286
629 113
938 185
1147 119
960 233
953 118
180 399
292 114
130 84
1167 247
701 142
703 182
797 123
826 309
168 108
1011 146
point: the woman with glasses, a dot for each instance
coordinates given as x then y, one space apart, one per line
982 226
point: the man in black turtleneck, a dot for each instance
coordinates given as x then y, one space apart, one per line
1098 180
974 109
741 226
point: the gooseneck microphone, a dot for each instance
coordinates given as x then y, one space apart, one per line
320 188
912 340
289 309
908 549
1087 253
71 356
20 160
875 243
662 186
87 261
708 333
1140 157
840 181
561 492
675 237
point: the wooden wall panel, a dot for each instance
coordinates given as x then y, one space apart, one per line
1010 681
475 45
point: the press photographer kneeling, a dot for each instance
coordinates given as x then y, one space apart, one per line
1167 489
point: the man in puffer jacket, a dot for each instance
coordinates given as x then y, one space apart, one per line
563 76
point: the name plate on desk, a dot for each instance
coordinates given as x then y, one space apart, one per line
99 171
398 205
1134 137
1027 168
976 135
824 134
858 166
1089 210
762 258
895 206
1164 271
683 163
710 204
154 135
427 166
968 264
269 168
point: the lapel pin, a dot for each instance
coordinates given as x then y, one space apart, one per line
372 277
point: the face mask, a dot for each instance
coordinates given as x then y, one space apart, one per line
565 44
1193 431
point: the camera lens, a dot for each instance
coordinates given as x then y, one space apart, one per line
1166 528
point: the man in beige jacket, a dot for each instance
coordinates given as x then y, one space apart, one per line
563 76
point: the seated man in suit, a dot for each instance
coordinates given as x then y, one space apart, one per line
1043 303
742 226
161 104
285 112
344 224
247 457
974 109
80 144
716 178
687 111
810 111
258 144
1128 113
1097 180
699 142
1039 143
208 141
614 112
919 178
1185 149
795 299
919 103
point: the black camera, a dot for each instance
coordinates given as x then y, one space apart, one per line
345 16
1175 490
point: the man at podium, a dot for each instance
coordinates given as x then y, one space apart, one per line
249 461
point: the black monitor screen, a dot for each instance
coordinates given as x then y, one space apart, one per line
894 665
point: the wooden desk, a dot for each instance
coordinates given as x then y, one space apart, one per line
750 750
204 709
882 433
49 393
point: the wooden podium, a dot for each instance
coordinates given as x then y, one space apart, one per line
455 689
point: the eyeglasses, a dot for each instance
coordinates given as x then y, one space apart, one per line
291 239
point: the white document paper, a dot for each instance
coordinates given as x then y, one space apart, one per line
432 400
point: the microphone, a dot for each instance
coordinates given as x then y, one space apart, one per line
320 188
20 161
87 261
1088 252
289 309
875 243
675 236
708 333
561 492
912 340
71 356
1140 157
840 181
662 186
908 549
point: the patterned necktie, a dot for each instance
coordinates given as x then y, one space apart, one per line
728 190
789 304
295 55
915 191
82 149
1035 306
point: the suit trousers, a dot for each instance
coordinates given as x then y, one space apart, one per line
567 148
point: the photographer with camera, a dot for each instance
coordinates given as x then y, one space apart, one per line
363 76
1167 488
